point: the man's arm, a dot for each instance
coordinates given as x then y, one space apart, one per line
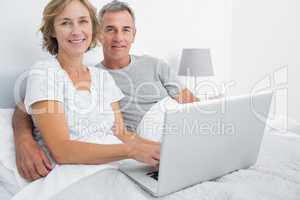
22 124
173 85
32 162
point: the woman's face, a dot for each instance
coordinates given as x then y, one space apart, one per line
73 29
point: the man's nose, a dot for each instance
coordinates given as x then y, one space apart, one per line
118 36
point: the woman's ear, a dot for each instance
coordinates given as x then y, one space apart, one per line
53 34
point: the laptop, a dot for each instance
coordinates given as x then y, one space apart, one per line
203 141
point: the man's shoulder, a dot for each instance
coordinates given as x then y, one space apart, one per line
145 58
148 62
99 66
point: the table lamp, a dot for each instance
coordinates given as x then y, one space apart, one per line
195 63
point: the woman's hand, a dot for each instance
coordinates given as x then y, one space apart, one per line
144 152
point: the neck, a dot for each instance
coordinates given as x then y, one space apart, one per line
116 64
70 63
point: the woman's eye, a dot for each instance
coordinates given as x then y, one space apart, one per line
83 21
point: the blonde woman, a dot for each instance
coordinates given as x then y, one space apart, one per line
74 106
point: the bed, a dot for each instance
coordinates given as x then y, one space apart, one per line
4 194
276 175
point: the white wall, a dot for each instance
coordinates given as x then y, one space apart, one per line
250 40
265 38
19 44
164 28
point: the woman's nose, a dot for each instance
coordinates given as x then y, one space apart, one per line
76 29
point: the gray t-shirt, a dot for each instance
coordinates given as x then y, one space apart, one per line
144 82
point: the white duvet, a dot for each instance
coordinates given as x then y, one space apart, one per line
275 176
62 176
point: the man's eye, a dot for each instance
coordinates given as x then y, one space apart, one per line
109 30
65 23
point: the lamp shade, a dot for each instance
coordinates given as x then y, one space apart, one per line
195 62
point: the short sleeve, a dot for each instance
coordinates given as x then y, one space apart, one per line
44 83
169 79
111 90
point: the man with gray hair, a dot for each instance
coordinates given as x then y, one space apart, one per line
144 81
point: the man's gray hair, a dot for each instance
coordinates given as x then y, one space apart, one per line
116 6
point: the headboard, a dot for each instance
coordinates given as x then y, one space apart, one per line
12 89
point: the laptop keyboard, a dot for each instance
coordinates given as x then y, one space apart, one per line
153 175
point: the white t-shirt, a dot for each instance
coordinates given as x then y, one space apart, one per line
88 113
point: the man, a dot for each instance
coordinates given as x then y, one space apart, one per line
143 80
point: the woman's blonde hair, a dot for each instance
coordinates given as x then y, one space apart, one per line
52 10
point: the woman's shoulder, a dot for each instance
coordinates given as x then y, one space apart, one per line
46 69
46 64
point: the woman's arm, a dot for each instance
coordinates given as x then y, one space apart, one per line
139 144
122 133
53 127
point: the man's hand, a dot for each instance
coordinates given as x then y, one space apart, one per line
32 162
186 96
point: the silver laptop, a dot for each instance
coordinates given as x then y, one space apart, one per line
203 141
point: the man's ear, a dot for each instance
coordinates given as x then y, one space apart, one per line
134 33
99 34
100 38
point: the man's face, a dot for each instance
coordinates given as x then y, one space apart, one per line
117 35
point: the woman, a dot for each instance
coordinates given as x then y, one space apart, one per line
69 30
75 106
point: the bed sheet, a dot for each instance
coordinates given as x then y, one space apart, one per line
4 194
275 176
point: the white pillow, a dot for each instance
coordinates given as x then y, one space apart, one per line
152 124
283 124
6 133
7 148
